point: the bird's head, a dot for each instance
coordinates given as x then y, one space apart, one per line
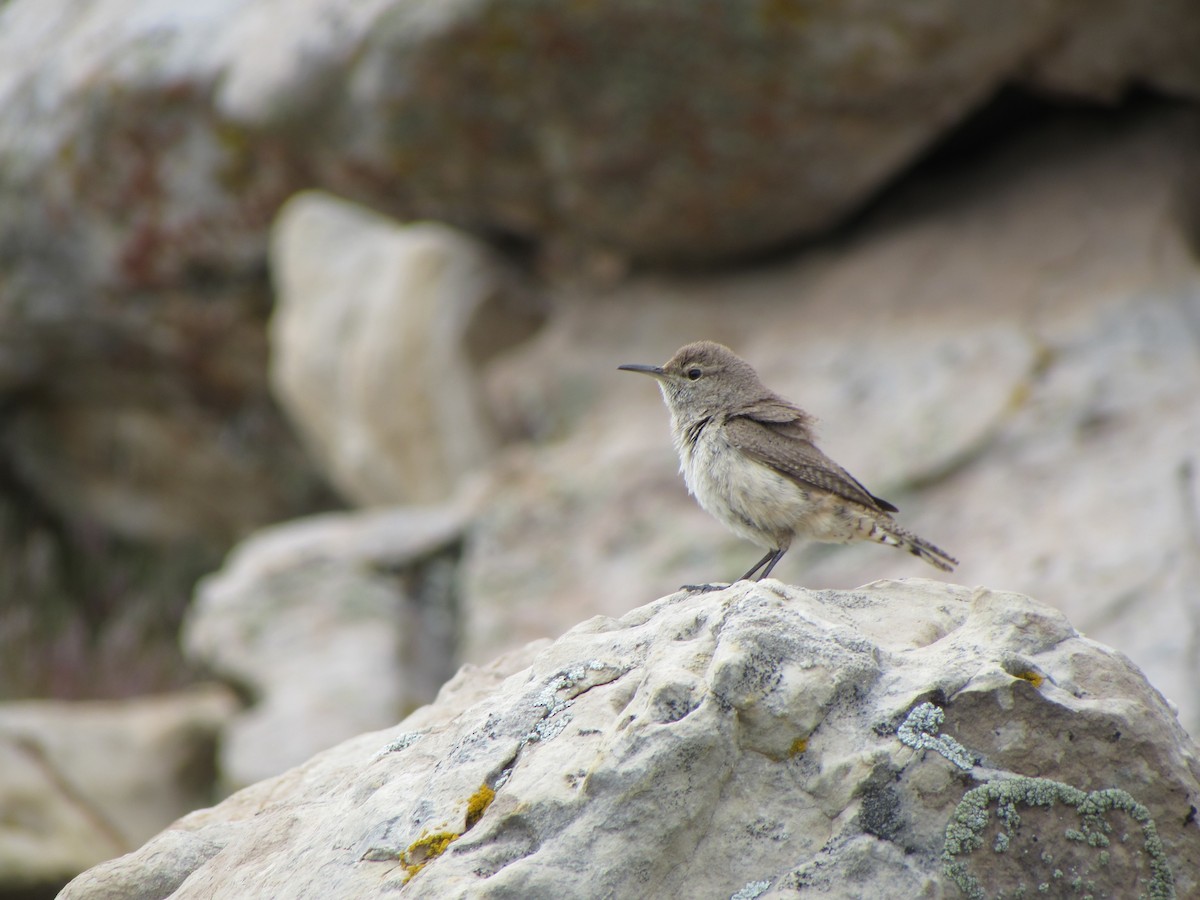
703 378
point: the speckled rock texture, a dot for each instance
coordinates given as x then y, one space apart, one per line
905 739
175 135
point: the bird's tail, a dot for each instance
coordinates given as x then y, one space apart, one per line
894 536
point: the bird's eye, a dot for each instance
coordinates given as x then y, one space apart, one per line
694 372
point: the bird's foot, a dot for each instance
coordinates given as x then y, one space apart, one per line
702 588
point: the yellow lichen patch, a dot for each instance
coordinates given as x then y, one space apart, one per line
478 803
423 850
429 847
799 745
1032 677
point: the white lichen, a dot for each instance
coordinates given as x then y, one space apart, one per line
750 890
403 742
920 731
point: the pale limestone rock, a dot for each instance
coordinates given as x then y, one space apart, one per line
370 350
750 742
81 782
144 148
335 625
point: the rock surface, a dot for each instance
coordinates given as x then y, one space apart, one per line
132 243
174 136
1011 349
334 625
82 782
755 742
377 333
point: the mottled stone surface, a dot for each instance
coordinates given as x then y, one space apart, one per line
757 741
1008 352
145 150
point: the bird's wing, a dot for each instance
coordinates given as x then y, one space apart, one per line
775 410
788 449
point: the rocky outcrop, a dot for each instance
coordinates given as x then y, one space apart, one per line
602 125
1014 427
903 739
144 152
1006 350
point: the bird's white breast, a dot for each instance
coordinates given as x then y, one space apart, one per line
750 499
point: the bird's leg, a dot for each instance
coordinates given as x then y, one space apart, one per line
775 556
771 558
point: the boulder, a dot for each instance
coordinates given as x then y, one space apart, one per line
83 782
902 739
376 339
332 626
132 307
145 150
175 136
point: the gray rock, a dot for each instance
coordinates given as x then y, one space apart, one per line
132 241
750 742
81 782
144 151
376 337
597 126
174 137
334 625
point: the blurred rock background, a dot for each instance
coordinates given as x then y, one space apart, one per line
379 261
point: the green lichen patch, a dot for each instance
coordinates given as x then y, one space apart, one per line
751 890
1050 838
920 731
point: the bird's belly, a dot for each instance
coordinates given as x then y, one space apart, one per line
762 506
751 500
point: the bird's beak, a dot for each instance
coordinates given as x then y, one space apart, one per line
656 371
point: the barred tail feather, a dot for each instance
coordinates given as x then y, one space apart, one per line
895 536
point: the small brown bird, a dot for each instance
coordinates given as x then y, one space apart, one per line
747 455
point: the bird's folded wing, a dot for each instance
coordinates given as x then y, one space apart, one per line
774 409
798 459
